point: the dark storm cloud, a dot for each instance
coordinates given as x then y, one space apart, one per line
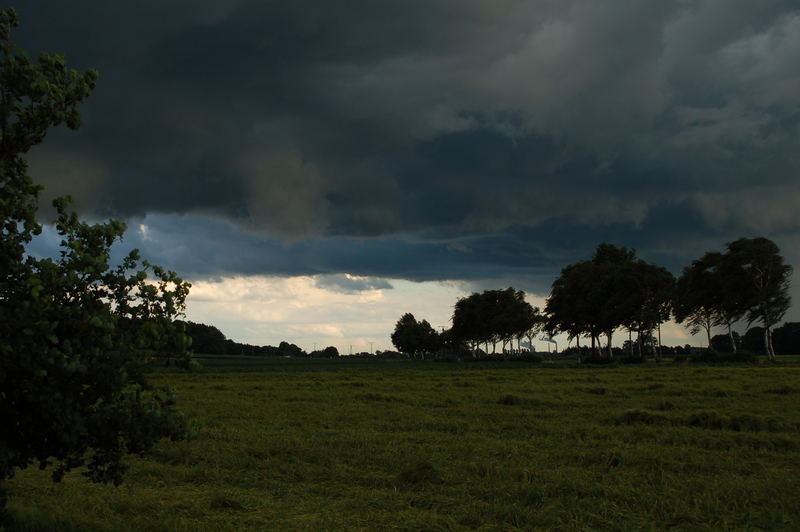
433 139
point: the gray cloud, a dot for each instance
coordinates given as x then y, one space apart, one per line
430 139
349 284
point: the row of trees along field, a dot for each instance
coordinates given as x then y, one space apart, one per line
209 340
614 291
76 333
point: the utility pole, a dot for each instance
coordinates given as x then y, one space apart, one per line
370 348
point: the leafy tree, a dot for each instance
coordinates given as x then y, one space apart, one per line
593 297
756 269
290 350
206 339
469 323
76 334
492 316
568 309
644 295
415 338
328 352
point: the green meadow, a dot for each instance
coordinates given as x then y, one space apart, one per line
401 445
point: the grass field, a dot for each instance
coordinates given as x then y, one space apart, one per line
400 445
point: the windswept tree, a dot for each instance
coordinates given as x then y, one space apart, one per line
757 270
749 280
76 333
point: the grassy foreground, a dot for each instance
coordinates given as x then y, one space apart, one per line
379 445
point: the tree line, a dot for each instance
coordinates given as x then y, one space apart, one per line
615 290
209 340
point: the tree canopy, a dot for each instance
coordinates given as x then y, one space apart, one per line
413 337
612 290
493 316
77 334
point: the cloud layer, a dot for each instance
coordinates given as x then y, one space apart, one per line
430 140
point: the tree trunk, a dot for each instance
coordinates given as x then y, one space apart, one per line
768 343
630 341
730 336
610 354
658 354
707 327
640 342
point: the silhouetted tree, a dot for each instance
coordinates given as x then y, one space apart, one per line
290 350
594 297
328 352
492 316
206 339
415 338
644 297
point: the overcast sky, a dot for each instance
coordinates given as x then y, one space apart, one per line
318 168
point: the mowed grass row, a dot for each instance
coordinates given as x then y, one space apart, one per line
453 447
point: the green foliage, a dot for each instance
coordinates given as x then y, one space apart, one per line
76 334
